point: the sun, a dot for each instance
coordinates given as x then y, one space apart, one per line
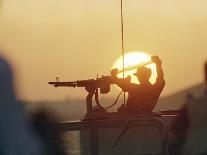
132 60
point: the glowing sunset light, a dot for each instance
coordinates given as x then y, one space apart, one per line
135 59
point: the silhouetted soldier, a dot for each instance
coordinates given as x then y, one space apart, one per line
144 96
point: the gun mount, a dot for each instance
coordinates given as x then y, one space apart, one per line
92 86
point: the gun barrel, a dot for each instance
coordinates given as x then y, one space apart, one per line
63 84
103 83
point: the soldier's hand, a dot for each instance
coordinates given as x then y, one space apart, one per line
156 60
114 72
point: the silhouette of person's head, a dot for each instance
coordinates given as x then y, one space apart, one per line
143 74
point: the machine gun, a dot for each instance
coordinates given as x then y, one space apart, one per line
92 86
103 83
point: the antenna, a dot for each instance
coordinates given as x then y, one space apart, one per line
122 43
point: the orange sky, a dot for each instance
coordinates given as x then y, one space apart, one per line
77 39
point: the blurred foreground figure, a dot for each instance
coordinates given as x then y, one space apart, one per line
16 137
188 134
178 132
196 136
45 125
143 97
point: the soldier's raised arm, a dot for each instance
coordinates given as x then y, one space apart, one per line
123 83
160 82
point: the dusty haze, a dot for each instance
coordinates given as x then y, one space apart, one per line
76 39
